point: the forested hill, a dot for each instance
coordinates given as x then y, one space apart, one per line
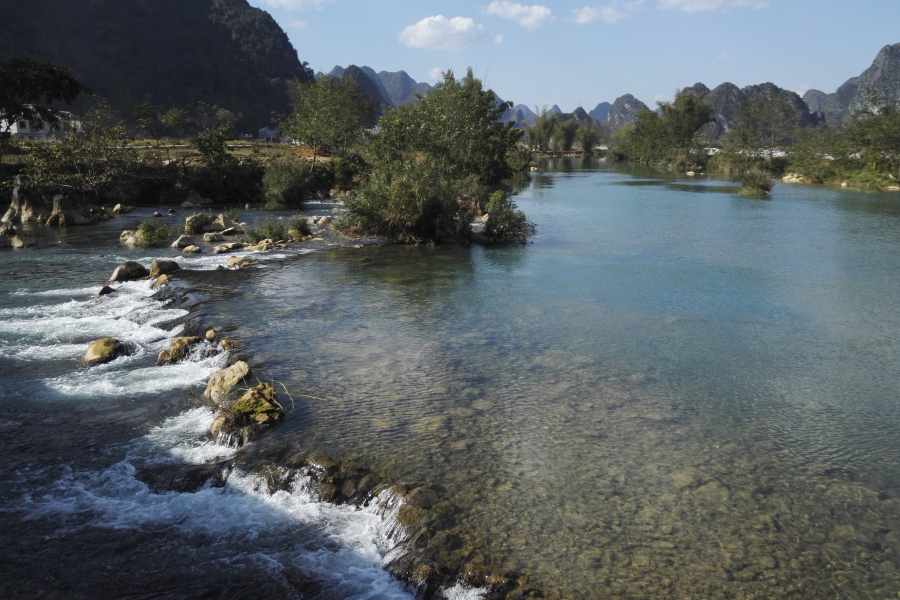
173 52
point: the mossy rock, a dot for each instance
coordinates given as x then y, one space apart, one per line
258 405
103 351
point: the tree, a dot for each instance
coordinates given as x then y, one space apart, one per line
544 127
430 162
874 132
588 137
155 123
564 138
329 113
92 159
28 88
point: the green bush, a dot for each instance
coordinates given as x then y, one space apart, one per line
272 229
519 158
236 183
287 183
755 182
299 225
506 224
153 233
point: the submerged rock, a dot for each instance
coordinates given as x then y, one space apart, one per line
184 479
103 351
129 271
163 267
222 382
105 291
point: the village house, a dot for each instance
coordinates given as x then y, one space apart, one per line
28 131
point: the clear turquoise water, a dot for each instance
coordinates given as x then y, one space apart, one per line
673 391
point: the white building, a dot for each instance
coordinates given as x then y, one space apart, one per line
27 130
269 134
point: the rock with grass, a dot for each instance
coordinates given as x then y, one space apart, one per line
183 242
103 351
255 411
222 382
197 222
163 267
129 271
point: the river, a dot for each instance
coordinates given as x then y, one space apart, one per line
672 391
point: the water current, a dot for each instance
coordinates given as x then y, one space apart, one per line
672 392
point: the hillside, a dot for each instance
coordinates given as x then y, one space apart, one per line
882 77
396 88
172 52
624 111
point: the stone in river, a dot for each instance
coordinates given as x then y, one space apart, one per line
103 351
222 382
105 291
178 347
192 250
161 280
129 271
163 267
213 237
237 262
183 242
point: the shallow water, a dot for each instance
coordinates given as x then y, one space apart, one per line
672 392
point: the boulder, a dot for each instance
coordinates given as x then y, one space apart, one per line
213 237
183 242
238 262
103 351
121 209
7 229
221 223
180 346
159 281
157 214
232 231
197 222
127 237
105 291
189 205
227 247
27 205
163 267
257 409
192 250
325 221
210 335
129 271
64 214
171 211
222 382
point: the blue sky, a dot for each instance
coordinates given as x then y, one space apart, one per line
574 52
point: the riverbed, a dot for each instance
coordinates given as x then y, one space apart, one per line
672 391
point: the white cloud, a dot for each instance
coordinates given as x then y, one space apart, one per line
661 98
708 5
724 56
441 33
296 4
609 13
436 74
298 24
529 17
498 39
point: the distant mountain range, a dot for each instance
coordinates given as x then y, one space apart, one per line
393 89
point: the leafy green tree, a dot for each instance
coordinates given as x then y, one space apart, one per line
506 223
328 113
429 162
874 133
544 128
27 89
155 123
212 144
564 138
93 159
588 137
